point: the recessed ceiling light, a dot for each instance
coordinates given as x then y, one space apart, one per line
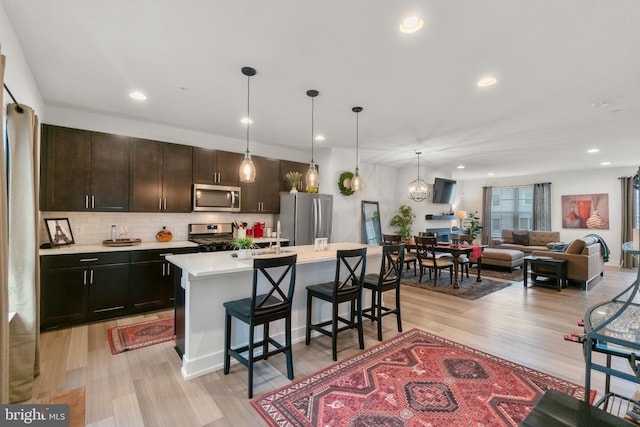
487 81
246 120
411 24
605 163
593 150
138 96
319 137
460 166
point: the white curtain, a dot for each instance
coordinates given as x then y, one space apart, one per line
24 272
4 261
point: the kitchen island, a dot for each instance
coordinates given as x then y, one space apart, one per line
207 280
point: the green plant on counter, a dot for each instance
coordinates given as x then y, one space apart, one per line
244 243
403 220
475 223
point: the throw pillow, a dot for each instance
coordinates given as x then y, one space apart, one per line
559 247
521 238
575 247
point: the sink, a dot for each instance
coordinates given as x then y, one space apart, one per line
271 251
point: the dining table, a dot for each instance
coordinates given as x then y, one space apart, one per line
473 252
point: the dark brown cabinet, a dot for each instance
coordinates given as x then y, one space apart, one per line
83 170
262 196
216 167
289 166
152 278
161 175
83 287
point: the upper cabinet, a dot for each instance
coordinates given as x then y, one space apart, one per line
287 166
216 167
262 196
83 171
161 175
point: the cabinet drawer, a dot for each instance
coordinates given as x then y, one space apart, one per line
78 260
159 254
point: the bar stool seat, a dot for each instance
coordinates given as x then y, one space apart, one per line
260 310
339 291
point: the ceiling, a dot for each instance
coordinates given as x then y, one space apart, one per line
568 74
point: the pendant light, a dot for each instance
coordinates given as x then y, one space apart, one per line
356 181
312 178
247 168
418 189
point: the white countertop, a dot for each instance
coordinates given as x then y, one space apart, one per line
79 249
212 263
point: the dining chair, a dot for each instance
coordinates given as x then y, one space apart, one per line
428 258
278 275
387 279
409 257
463 259
340 290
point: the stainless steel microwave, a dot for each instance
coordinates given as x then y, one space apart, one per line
215 198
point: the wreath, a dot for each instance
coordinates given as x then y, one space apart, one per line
345 190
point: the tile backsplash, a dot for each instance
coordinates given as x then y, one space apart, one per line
91 228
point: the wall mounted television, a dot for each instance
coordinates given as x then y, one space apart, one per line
444 191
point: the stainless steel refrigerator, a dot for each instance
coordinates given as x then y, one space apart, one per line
305 217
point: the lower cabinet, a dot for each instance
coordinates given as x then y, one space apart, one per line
81 288
152 278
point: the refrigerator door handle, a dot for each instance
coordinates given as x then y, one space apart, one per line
315 218
320 223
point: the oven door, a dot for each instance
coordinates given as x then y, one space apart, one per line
215 198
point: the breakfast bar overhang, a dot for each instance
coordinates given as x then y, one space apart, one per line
207 280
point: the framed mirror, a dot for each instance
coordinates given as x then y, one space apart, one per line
371 230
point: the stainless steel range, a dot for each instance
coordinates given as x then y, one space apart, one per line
212 237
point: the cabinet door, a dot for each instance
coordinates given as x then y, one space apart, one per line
262 196
63 296
147 284
146 176
64 172
176 178
204 161
108 290
228 166
109 172
289 166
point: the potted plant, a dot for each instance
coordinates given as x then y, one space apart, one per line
294 180
244 246
475 223
403 221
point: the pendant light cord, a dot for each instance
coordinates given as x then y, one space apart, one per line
248 115
357 134
418 164
312 114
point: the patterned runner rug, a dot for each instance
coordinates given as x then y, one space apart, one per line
143 334
416 379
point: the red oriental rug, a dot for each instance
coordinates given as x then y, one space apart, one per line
143 334
414 379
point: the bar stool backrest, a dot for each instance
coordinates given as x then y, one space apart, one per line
354 261
392 263
279 290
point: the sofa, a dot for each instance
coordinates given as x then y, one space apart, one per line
584 257
526 241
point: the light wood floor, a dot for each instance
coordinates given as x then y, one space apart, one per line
145 387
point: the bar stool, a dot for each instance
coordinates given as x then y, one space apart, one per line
263 309
388 279
339 291
409 258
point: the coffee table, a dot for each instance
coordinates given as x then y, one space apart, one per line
550 267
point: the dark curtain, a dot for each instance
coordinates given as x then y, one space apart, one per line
485 235
627 220
542 206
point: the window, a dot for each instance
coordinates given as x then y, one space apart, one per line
511 208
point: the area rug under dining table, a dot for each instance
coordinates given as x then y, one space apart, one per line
415 378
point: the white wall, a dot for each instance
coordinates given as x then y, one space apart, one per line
604 180
17 75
